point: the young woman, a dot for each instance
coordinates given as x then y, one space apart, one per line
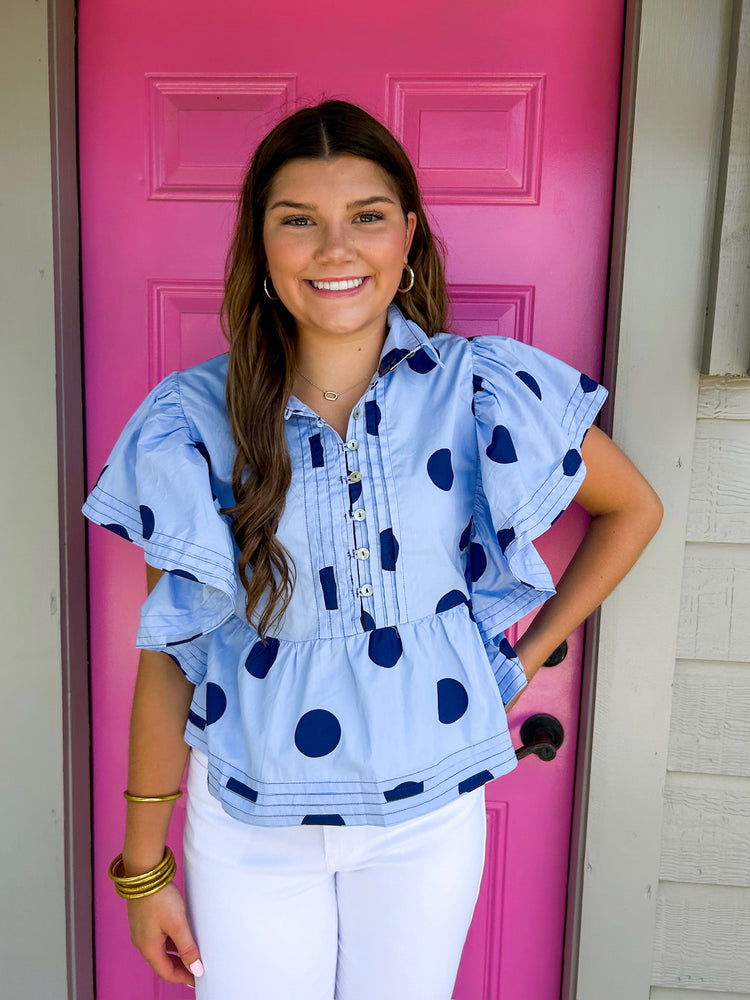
338 521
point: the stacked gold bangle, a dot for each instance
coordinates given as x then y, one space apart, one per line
146 884
138 886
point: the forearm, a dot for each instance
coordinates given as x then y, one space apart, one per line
157 757
626 514
609 549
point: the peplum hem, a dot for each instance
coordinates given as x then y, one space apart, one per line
370 803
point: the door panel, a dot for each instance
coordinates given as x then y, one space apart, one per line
509 111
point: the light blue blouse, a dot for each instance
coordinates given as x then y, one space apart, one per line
381 695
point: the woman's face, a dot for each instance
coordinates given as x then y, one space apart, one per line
336 240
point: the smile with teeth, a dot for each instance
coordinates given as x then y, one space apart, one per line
338 286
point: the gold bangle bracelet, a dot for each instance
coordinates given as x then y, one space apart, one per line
145 884
152 798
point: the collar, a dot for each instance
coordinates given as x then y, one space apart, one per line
405 341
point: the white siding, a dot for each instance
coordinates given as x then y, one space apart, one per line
702 938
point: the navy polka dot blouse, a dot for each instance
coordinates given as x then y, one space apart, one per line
381 696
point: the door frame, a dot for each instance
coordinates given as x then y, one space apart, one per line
617 818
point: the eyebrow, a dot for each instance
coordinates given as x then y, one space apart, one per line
362 203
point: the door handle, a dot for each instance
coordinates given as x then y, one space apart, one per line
542 735
557 655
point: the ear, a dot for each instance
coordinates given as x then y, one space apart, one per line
411 225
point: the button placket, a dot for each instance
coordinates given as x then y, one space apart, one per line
361 553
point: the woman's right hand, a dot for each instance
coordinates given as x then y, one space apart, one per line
158 926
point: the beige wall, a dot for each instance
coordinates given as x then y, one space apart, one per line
32 860
676 141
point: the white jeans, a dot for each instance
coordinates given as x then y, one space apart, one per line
317 912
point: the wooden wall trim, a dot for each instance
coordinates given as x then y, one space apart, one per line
61 24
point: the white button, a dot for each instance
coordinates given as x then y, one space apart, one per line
367 590
359 515
354 477
357 413
363 553
353 444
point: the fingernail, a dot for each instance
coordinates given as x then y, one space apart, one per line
197 968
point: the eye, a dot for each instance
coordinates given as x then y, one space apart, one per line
369 217
297 220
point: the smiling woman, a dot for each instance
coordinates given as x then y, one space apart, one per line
337 241
344 509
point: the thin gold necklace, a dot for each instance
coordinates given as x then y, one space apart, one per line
329 393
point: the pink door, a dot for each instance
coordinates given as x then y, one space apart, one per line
509 111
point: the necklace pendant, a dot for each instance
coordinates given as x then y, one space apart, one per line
331 395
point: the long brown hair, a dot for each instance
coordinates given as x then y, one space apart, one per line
261 333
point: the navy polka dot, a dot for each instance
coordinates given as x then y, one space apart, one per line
588 384
100 476
262 657
330 819
184 574
328 586
440 468
216 703
355 492
203 450
506 649
196 720
147 520
404 791
504 537
388 549
318 733
391 359
450 600
176 661
500 448
531 382
117 529
477 561
372 417
465 536
385 647
571 462
477 383
422 362
469 784
368 622
316 451
452 700
244 790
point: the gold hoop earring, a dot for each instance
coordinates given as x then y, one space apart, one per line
273 298
409 287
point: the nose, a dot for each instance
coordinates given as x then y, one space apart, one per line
335 244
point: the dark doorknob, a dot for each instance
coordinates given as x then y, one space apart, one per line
542 735
557 655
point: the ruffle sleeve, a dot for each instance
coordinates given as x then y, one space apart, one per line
155 491
532 412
